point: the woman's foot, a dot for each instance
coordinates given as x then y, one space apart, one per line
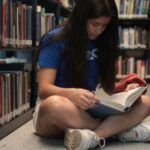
82 139
140 133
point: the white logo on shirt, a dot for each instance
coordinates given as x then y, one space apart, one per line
91 54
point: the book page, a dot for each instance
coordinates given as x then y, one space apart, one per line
134 95
119 100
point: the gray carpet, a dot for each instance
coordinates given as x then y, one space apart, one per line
24 138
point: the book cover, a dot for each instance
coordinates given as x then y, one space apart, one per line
114 104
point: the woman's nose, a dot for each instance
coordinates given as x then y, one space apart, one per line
99 30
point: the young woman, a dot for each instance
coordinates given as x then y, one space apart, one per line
73 60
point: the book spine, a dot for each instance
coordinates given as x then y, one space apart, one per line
1 95
1 21
14 88
38 24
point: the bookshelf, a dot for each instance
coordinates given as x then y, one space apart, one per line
17 44
17 64
48 14
54 10
134 35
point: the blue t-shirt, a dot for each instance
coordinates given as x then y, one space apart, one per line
51 57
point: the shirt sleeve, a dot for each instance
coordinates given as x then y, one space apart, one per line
50 55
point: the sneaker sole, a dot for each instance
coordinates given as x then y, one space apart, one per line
73 140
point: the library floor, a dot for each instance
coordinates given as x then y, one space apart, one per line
24 138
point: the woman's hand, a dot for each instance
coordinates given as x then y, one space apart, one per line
82 98
131 86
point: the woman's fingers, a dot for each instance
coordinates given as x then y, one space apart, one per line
132 86
87 102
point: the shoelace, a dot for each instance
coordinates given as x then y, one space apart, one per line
101 141
133 134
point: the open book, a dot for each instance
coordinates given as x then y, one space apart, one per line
120 101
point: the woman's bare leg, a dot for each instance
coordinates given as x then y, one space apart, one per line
117 124
111 126
57 113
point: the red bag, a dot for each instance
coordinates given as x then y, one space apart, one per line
130 78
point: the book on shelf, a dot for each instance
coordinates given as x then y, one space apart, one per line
14 94
133 65
133 37
133 8
119 102
15 24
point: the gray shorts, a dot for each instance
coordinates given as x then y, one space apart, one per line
35 114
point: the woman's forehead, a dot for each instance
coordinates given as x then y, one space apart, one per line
101 20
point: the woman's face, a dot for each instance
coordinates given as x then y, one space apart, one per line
96 26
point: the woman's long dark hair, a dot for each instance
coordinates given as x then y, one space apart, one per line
75 35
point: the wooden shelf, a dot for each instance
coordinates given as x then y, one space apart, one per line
16 49
28 2
134 21
134 49
15 123
15 67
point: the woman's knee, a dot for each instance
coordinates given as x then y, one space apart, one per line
145 100
51 105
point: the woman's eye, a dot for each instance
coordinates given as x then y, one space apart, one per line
95 25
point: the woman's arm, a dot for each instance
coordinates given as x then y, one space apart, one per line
46 79
80 97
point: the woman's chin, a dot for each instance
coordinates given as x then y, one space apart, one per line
92 37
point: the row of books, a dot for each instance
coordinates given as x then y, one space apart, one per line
134 37
131 65
14 94
45 22
133 8
15 24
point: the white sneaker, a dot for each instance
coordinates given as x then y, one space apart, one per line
140 133
82 139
